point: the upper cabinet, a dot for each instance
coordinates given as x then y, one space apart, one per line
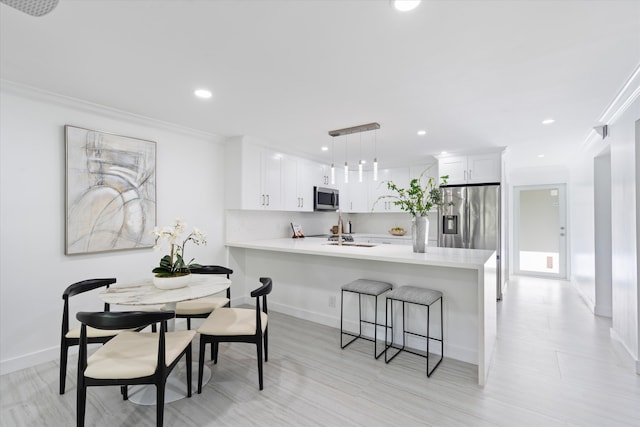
297 184
258 178
322 175
472 169
378 189
354 196
253 177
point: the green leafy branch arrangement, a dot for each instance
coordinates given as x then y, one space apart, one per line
418 199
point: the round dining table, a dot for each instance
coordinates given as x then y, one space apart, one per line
143 293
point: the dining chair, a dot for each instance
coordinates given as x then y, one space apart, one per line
71 337
237 325
201 308
131 357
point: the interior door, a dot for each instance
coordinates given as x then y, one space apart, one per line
540 231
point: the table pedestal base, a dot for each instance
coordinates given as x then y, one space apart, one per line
175 389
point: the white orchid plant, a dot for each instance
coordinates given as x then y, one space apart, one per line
173 265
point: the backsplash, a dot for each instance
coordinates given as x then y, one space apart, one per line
257 225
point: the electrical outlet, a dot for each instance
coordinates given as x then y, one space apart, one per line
332 301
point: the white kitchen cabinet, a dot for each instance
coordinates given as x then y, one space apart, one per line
298 177
427 170
354 196
322 176
377 189
472 169
253 177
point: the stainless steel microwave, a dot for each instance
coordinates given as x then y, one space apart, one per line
325 199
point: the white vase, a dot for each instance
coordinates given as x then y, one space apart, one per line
175 282
419 233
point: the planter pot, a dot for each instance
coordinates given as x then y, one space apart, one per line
172 282
419 233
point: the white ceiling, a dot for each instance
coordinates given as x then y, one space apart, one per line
474 74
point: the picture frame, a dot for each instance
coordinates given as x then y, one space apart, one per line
110 191
297 231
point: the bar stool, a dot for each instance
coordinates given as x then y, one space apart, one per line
362 287
418 296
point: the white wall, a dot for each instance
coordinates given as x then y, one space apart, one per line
624 245
602 233
33 268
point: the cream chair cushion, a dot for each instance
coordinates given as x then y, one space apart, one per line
92 332
232 321
134 354
200 306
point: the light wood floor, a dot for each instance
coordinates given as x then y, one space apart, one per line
554 365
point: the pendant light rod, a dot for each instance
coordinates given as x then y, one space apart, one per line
354 129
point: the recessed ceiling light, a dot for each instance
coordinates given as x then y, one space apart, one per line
422 132
202 93
547 121
324 148
540 155
405 5
443 153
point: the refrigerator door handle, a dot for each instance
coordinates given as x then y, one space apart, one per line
467 224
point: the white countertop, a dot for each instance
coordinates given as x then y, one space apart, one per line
435 256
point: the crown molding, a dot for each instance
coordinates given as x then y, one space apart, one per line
42 95
629 92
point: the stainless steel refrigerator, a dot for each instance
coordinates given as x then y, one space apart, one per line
473 221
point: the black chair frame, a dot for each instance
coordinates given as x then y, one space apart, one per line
258 339
360 322
128 320
65 343
389 325
207 269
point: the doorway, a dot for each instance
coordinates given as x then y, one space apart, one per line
540 235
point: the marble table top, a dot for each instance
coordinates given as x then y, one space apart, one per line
144 292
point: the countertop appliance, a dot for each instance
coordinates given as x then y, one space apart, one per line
473 221
326 199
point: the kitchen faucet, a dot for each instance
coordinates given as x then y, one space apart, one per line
340 224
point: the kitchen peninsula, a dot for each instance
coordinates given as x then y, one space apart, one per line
308 274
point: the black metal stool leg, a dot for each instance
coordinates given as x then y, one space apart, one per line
429 372
342 333
389 319
364 288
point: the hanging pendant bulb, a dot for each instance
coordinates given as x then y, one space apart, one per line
346 173
333 160
375 156
375 169
360 162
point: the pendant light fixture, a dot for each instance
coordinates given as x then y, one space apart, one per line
356 129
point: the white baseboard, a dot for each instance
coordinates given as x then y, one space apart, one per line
585 298
614 336
47 355
31 359
454 352
603 311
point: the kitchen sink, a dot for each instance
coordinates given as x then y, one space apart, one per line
359 245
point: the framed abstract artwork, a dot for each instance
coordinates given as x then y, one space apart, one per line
110 192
